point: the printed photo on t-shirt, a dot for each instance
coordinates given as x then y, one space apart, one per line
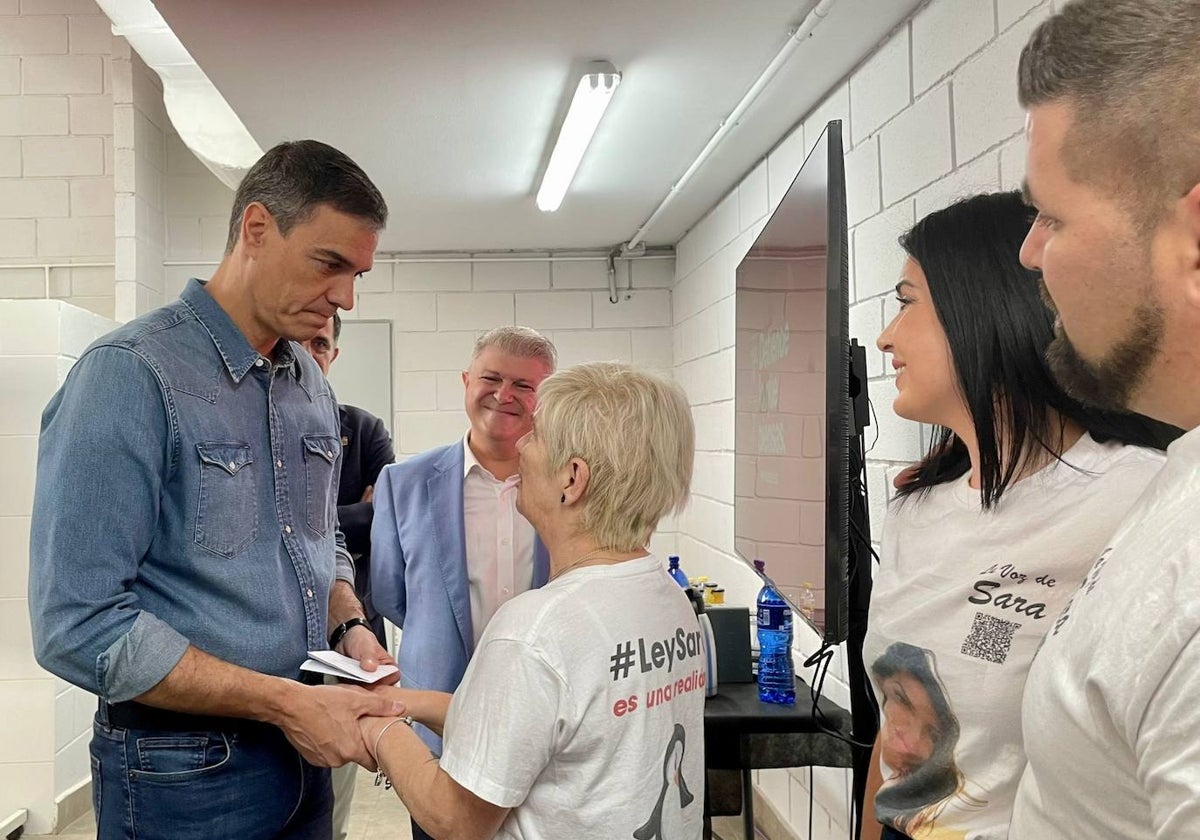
667 818
917 741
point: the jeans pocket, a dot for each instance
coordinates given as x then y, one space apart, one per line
227 514
179 758
321 453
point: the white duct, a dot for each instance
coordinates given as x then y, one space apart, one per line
205 122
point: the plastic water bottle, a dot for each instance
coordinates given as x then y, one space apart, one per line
776 674
676 572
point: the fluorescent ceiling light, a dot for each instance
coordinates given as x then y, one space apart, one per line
592 96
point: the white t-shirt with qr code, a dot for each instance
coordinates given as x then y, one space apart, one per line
583 709
962 600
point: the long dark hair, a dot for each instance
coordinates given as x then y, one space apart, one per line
998 329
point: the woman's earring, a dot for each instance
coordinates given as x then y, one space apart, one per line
563 500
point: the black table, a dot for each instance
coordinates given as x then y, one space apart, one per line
743 733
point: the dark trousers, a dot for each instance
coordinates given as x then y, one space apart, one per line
890 833
418 832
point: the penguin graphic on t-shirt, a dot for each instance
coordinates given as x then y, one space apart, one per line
665 816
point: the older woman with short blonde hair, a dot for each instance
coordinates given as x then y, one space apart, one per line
581 712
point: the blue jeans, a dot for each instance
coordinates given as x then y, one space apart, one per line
248 784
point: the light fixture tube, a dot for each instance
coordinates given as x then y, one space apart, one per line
591 98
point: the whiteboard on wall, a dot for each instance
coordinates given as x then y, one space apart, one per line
362 374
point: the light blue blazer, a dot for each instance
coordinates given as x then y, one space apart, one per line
419 568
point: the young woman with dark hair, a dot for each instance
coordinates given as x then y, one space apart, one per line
990 533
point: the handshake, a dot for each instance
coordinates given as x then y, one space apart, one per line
330 724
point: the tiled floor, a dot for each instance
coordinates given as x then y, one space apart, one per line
378 814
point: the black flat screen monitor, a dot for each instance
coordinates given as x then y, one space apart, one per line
792 394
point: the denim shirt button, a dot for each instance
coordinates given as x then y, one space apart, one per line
309 593
287 529
258 362
279 463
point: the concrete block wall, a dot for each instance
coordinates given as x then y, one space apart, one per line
56 155
45 724
140 127
930 115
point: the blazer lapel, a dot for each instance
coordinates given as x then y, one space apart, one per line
445 487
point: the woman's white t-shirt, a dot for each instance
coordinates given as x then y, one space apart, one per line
583 709
961 602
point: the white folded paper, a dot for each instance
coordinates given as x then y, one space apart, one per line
333 663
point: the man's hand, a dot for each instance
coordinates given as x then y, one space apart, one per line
322 722
368 494
360 643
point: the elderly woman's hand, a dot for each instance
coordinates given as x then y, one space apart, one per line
371 729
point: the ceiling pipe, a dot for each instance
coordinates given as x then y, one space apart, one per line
795 38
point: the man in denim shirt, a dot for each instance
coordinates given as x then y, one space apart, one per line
184 527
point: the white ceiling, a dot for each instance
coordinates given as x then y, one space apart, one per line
450 106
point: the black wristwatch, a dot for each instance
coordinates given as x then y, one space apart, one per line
342 629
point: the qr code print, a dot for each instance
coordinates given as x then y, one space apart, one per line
990 638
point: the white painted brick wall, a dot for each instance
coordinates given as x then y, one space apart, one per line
981 118
90 34
432 277
55 143
782 165
26 116
863 194
477 311
31 35
25 199
877 256
880 88
640 308
980 175
44 74
10 157
916 147
408 311
904 159
555 310
490 276
945 33
62 156
44 723
10 75
575 346
753 197
585 274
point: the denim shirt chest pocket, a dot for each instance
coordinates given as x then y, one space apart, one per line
320 458
227 513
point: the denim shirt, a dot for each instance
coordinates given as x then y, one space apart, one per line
186 494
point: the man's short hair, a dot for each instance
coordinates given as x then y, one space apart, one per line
523 342
634 429
1130 69
337 328
293 179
